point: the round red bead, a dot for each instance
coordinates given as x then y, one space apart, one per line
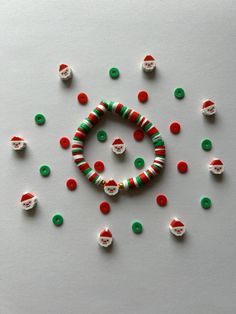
161 200
175 127
99 166
105 207
82 98
138 135
71 184
143 96
182 166
64 142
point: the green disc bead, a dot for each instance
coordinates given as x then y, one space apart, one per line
40 119
114 73
206 144
102 136
57 219
137 227
206 202
45 170
139 163
179 93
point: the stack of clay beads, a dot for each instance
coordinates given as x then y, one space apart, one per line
133 116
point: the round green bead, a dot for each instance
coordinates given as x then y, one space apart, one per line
45 170
57 219
102 136
179 93
40 119
139 163
114 73
206 202
206 144
137 227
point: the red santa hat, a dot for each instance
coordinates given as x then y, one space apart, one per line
176 223
62 67
149 58
17 139
216 162
106 233
111 182
118 141
207 103
26 197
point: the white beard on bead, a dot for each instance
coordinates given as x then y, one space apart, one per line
118 149
216 166
118 146
178 231
111 190
18 145
105 238
208 108
65 73
111 187
216 169
177 227
29 204
209 111
149 63
105 241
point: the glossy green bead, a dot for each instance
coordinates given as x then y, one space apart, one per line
179 93
206 202
57 219
101 136
139 163
44 170
137 227
114 73
206 144
40 119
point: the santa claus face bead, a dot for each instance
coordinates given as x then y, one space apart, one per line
111 187
118 146
18 143
65 72
149 63
105 238
208 108
216 166
177 227
28 201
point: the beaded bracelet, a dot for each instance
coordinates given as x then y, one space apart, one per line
111 187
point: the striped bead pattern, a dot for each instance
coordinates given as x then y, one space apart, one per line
133 116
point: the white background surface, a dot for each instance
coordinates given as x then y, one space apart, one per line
49 270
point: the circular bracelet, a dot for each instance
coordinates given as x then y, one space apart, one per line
111 187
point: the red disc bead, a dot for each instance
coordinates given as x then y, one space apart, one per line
105 207
138 135
82 98
71 184
143 96
182 166
175 127
64 142
99 166
161 200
